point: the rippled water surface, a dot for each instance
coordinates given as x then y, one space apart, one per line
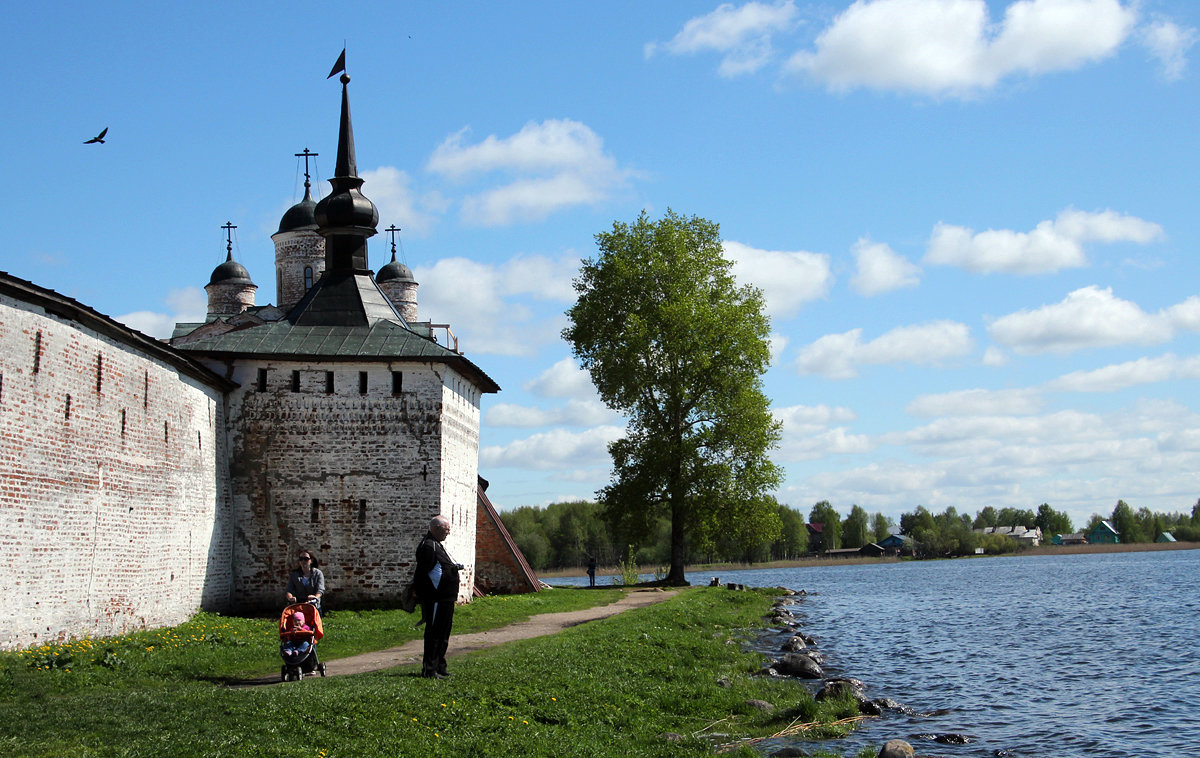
1073 655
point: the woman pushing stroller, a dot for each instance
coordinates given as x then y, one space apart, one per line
306 583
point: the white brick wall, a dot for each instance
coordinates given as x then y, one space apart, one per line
379 466
114 514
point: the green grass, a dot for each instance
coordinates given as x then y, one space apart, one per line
607 688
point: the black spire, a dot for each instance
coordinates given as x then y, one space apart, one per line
346 218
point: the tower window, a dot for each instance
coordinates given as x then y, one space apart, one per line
328 382
362 382
308 278
295 381
99 373
68 409
362 511
316 510
37 353
262 380
122 422
397 382
146 391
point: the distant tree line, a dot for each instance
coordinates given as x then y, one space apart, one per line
566 535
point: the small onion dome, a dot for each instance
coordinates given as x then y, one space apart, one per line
230 272
302 215
395 272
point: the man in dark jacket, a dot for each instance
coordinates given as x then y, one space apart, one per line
437 588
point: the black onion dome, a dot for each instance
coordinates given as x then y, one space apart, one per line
347 209
302 215
395 272
230 272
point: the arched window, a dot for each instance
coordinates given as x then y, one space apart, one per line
307 278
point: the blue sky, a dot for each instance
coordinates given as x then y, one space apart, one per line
975 222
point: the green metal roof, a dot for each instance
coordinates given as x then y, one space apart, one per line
383 340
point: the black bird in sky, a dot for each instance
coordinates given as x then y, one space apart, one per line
98 138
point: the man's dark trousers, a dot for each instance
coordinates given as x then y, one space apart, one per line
439 617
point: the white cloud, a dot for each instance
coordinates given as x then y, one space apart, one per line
554 449
574 413
879 269
187 305
788 279
1087 317
1119 376
482 304
994 357
550 166
742 34
808 433
563 379
837 356
1169 43
391 191
1051 246
953 48
977 402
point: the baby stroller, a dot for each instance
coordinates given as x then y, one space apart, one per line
299 632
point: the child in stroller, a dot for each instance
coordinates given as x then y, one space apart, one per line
299 632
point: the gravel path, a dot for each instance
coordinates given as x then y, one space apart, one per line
547 623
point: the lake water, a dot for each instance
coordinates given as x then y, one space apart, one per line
1073 655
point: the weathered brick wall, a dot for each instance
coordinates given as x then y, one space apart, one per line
227 299
113 510
294 251
353 477
500 568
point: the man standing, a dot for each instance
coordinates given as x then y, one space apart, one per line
437 583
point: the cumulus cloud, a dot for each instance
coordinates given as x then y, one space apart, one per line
1087 317
574 413
741 34
186 305
482 302
545 167
954 48
1118 376
1169 43
838 356
880 269
554 449
977 402
563 379
788 279
391 191
809 432
1051 246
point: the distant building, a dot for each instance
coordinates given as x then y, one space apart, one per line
1075 538
1103 534
1165 537
1022 534
897 544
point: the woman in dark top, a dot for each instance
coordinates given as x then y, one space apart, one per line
306 584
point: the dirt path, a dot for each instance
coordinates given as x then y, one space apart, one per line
547 623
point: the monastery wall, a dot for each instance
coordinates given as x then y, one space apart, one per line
113 508
344 459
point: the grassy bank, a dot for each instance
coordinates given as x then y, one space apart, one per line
606 688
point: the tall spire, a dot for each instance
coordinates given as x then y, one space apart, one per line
346 218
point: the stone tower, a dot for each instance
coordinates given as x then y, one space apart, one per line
299 251
229 289
397 282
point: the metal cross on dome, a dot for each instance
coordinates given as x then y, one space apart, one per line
392 231
229 236
306 155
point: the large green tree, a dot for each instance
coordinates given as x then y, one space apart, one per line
675 344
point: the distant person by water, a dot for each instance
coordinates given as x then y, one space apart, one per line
591 571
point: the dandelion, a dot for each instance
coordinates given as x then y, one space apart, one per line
554 699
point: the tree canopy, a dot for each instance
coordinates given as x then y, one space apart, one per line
674 343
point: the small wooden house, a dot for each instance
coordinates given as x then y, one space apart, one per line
1103 534
897 544
1165 537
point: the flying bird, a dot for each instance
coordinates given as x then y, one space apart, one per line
98 138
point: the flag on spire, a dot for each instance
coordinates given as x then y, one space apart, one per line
340 65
